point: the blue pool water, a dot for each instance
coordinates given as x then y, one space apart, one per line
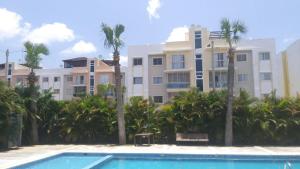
64 161
158 161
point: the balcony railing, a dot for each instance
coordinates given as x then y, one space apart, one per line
178 85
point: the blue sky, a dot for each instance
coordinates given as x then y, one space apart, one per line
72 28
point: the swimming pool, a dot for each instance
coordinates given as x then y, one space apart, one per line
162 161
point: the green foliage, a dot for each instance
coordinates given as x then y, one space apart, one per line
10 105
139 117
33 54
91 119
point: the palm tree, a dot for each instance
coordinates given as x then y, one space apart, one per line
231 33
113 40
33 58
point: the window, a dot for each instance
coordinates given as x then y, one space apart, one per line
138 80
266 76
242 77
198 40
69 78
92 81
56 91
56 79
200 84
79 91
80 79
137 61
264 55
177 61
92 66
45 79
158 99
220 60
241 57
157 80
104 79
157 61
198 56
198 65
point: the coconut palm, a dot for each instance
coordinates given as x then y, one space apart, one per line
231 33
33 58
113 40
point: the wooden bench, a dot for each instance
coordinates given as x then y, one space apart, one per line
192 137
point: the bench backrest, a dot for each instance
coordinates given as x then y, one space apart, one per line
191 135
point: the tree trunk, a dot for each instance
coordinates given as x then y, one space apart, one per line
121 119
230 85
33 107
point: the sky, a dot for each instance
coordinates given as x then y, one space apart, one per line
72 28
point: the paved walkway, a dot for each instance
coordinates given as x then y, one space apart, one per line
31 153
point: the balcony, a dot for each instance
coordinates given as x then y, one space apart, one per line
178 85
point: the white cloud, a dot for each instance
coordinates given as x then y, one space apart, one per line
81 47
48 33
153 6
178 34
10 24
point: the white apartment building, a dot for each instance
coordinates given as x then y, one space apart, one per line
161 71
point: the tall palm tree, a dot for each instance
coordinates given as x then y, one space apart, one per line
113 40
33 58
231 33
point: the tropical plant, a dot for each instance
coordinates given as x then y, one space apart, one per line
139 116
33 58
113 40
105 90
89 119
231 33
11 106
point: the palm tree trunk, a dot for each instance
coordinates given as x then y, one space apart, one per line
34 125
230 85
121 119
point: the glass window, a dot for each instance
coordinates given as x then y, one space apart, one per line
220 59
198 40
158 99
241 57
137 61
45 79
92 81
69 78
104 79
198 56
92 66
56 79
242 77
200 84
264 55
198 65
177 61
138 80
157 80
266 76
157 61
79 79
56 91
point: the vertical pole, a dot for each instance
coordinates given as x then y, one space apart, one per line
213 65
6 66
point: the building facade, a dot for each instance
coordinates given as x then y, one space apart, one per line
79 76
161 71
290 80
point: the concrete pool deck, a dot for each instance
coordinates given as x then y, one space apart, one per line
31 153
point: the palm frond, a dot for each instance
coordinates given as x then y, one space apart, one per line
225 28
238 28
119 29
109 36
